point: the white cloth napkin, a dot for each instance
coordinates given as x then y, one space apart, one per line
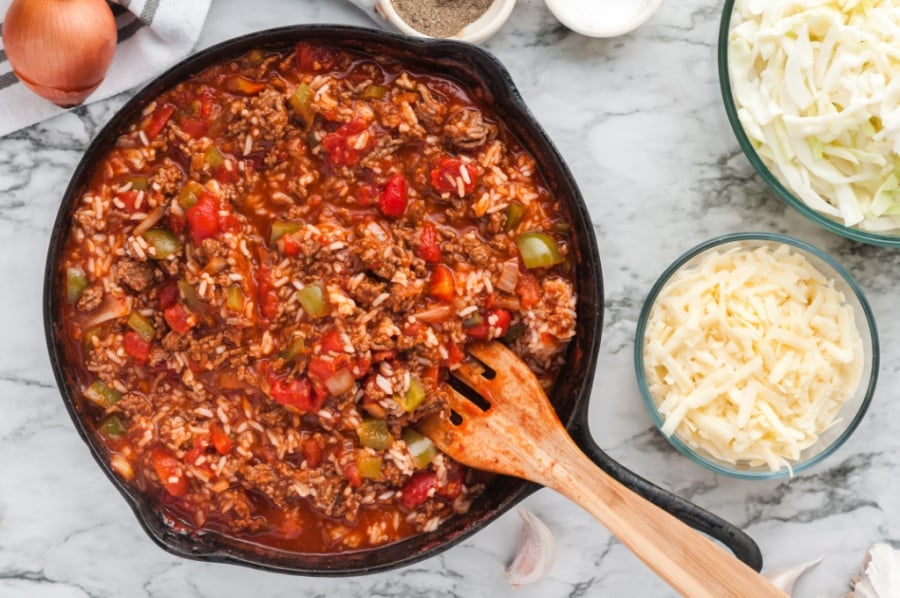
370 8
153 35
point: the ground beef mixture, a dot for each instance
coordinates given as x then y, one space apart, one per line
272 275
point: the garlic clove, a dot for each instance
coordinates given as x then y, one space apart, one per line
786 577
880 577
536 553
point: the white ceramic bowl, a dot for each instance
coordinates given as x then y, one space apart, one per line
476 32
587 16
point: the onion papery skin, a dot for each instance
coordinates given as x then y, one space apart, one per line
60 49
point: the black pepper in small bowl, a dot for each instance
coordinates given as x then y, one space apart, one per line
469 20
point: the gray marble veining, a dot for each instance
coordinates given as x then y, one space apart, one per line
640 122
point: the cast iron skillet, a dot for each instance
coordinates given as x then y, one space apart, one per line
478 71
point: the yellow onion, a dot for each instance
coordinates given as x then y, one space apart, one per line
60 49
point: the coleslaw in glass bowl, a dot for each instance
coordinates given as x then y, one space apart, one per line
812 91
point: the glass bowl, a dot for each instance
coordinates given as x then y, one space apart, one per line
887 238
849 414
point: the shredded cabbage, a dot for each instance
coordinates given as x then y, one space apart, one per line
817 89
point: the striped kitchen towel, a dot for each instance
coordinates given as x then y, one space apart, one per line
153 35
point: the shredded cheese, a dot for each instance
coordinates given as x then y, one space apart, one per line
750 354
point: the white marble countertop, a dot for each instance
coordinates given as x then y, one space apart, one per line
639 120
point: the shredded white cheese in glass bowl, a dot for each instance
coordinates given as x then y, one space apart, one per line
816 86
750 353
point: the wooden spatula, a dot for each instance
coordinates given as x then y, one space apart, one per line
519 434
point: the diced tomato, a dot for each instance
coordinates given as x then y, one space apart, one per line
392 202
453 486
366 194
478 331
226 173
192 456
361 367
341 145
351 472
293 392
331 342
312 452
494 325
229 223
220 440
529 291
454 354
155 123
137 347
128 199
338 153
289 245
266 296
203 217
499 319
379 356
413 329
417 488
179 319
354 127
193 127
207 103
198 450
442 284
169 471
320 370
195 120
429 248
448 170
310 58
168 294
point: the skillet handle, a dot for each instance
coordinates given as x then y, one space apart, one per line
741 544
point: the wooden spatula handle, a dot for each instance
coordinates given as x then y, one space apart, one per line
687 560
521 435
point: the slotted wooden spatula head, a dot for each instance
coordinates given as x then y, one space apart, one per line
512 429
508 436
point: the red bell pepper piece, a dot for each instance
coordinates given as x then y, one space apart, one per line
293 392
448 170
495 319
339 146
311 58
392 202
312 452
429 248
415 491
169 471
179 319
157 120
220 440
137 347
203 218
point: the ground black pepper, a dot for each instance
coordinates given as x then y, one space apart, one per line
440 18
